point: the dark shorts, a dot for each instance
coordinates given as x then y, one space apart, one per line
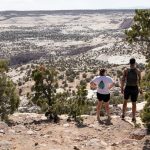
131 92
103 97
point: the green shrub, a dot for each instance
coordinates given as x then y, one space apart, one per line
83 82
79 104
115 100
70 78
84 75
9 100
145 113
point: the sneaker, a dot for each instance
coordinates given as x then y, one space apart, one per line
133 119
122 117
98 119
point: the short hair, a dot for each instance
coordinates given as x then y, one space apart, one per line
132 61
102 72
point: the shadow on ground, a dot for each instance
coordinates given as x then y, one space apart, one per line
146 145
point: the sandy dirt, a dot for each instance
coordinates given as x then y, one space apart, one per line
34 132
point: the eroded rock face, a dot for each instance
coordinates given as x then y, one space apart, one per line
138 134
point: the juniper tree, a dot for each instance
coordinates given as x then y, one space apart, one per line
139 32
45 89
9 99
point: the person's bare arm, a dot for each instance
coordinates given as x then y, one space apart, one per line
139 81
139 75
92 85
111 85
123 81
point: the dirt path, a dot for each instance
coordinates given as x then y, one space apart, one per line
33 132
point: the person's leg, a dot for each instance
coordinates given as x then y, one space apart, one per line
106 100
134 97
99 105
126 97
133 111
124 107
107 109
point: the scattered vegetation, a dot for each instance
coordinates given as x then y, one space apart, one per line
54 103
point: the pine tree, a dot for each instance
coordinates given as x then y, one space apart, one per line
9 99
140 34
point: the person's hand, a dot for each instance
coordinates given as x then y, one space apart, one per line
93 86
111 85
141 91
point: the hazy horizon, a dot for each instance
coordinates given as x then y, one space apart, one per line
132 9
76 9
37 5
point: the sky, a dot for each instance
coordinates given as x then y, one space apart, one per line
72 4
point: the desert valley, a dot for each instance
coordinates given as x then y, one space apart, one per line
77 44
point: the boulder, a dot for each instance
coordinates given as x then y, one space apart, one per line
34 109
11 131
3 125
4 144
66 125
30 132
93 142
23 109
138 134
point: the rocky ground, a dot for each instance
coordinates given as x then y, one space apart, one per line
34 132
